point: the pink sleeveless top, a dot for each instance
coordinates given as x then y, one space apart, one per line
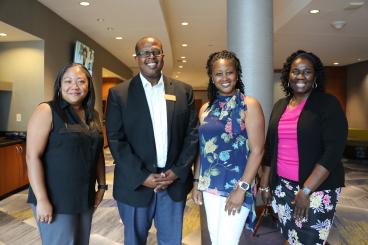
288 156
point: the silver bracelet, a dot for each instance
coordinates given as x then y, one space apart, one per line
265 189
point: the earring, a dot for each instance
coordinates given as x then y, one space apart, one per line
315 85
288 85
58 94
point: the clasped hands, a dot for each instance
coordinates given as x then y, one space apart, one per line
160 181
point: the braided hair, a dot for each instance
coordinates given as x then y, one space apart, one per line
319 74
212 91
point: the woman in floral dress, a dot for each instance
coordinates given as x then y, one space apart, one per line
231 137
302 163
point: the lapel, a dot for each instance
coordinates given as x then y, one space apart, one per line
170 105
139 102
280 110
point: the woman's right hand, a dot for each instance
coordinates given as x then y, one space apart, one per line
44 211
197 195
266 197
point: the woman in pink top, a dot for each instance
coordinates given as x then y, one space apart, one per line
302 162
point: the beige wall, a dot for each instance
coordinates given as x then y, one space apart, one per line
357 95
59 38
22 64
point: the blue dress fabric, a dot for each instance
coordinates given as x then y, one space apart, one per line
224 150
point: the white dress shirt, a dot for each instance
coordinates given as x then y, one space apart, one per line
155 96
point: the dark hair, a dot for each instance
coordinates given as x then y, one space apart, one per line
88 103
319 73
228 55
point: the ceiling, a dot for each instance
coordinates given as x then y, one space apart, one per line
294 28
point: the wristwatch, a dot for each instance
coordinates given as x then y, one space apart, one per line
243 185
306 191
103 187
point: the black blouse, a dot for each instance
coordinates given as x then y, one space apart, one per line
69 162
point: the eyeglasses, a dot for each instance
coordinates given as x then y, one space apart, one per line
305 73
148 53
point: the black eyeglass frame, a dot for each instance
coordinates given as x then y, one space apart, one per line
148 53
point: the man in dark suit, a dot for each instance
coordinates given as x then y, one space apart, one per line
151 127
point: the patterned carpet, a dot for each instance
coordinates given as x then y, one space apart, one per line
17 226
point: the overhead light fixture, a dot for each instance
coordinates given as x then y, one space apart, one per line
176 76
181 67
184 23
314 11
183 57
2 34
84 4
359 59
184 61
336 63
184 45
118 38
354 5
338 24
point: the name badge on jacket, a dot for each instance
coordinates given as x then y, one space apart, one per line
170 97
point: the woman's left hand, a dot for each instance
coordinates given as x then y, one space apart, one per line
234 201
301 205
99 196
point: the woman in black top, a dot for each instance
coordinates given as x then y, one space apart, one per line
65 159
302 161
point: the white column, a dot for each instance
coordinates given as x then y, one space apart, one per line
250 36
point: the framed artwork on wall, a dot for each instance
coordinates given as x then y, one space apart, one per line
84 55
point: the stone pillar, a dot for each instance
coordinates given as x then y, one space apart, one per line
250 36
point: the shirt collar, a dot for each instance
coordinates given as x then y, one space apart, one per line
146 83
64 104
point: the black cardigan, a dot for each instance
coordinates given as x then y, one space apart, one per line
322 131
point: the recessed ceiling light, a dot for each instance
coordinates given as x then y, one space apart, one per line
118 38
100 19
314 11
336 63
176 76
184 61
359 59
110 28
183 57
184 23
181 67
338 24
184 45
85 4
2 34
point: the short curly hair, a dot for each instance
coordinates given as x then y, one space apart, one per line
227 55
319 73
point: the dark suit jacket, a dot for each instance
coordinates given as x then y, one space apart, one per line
132 144
322 131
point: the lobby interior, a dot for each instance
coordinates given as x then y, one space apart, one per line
41 37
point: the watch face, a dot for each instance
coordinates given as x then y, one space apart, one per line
244 185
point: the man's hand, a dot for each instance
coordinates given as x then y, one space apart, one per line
152 180
167 179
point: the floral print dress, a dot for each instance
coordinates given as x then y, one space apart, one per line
224 149
322 208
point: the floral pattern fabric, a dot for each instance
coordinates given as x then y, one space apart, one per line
224 149
322 209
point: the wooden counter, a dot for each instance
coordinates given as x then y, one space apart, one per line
13 174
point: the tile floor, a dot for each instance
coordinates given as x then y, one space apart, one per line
17 226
